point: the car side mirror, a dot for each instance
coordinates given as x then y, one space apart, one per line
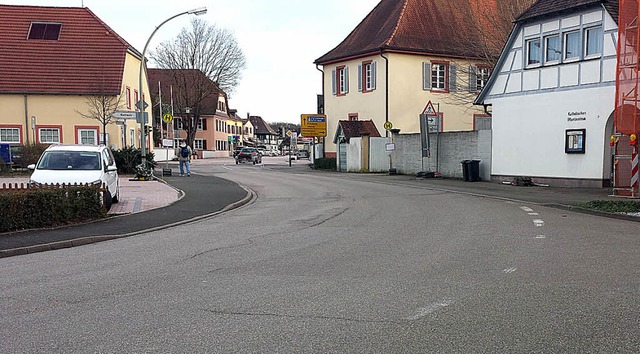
31 167
112 168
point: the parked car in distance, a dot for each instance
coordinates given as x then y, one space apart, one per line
81 164
249 155
263 152
303 153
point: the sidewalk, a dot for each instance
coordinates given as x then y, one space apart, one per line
135 196
152 196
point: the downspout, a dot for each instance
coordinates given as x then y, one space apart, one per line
324 111
386 84
26 120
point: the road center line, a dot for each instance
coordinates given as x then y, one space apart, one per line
538 222
429 309
527 209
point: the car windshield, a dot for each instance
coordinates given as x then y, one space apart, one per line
69 160
247 150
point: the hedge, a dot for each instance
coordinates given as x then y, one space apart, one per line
43 207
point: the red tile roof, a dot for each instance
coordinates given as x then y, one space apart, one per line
437 27
87 58
358 128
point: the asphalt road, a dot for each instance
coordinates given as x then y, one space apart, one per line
325 264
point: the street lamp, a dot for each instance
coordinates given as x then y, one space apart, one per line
143 133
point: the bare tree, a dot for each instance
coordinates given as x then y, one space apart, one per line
488 25
202 62
207 48
102 105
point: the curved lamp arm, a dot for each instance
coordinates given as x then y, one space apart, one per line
143 134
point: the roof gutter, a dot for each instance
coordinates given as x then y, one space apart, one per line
386 84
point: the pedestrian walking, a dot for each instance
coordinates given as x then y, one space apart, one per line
184 157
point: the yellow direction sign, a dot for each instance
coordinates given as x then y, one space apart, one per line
167 117
388 125
313 125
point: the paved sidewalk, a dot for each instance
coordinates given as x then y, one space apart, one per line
135 196
219 195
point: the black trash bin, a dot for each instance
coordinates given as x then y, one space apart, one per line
465 169
474 170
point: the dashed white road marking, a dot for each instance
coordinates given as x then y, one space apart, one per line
541 236
534 214
510 270
429 309
527 209
538 223
227 168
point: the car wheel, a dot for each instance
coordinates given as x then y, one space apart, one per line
108 201
236 162
116 198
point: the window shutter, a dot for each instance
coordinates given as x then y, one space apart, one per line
452 78
473 77
204 144
426 75
346 79
360 78
373 75
333 82
204 124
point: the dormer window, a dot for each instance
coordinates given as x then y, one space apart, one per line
44 30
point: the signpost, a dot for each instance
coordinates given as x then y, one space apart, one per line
167 118
388 125
313 125
124 115
146 117
429 122
143 104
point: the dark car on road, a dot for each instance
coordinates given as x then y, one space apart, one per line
249 155
237 150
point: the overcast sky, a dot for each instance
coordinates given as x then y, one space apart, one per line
280 39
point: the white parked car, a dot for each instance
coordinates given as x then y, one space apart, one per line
80 164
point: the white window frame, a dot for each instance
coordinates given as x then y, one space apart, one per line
565 45
599 42
342 80
200 124
15 133
439 72
48 130
198 144
557 51
132 137
179 124
88 140
482 77
529 58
